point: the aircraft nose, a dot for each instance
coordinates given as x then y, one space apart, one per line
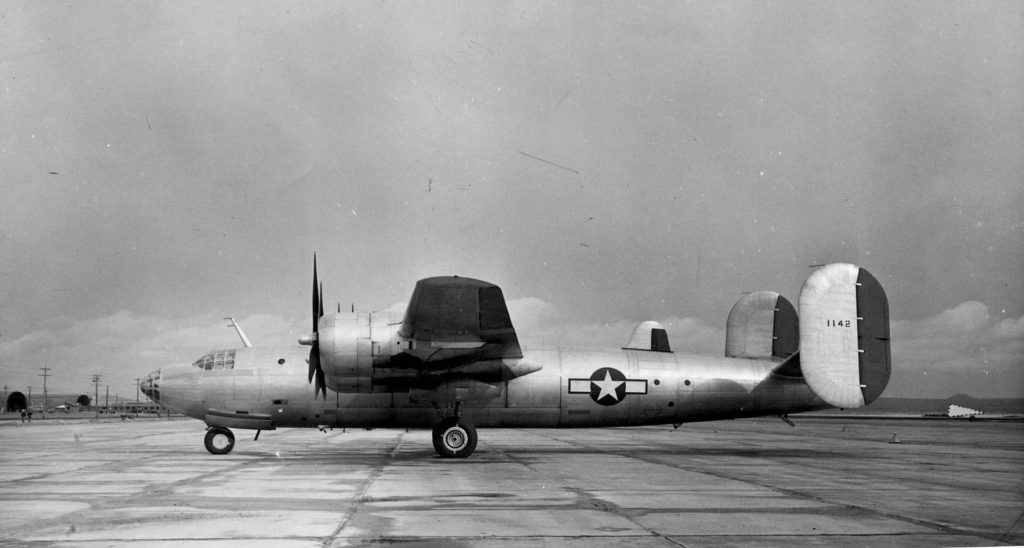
150 385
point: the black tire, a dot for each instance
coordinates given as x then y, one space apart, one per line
219 441
454 439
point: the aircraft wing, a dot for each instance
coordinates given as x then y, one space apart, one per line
453 320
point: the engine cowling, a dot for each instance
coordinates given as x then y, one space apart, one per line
348 345
364 352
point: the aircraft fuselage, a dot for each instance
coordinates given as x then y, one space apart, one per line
267 388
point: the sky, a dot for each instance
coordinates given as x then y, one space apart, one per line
166 165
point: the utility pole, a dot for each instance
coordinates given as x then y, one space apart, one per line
138 382
106 402
44 375
96 393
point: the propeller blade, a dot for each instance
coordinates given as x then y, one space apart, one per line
321 386
315 371
314 350
317 307
314 360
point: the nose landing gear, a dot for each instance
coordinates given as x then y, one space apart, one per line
219 440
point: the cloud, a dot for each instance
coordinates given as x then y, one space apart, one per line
959 350
1009 329
968 317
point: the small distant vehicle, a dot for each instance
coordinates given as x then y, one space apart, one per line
453 362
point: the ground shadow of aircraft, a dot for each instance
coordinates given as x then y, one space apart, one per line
453 362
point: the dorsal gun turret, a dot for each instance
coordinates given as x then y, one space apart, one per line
650 336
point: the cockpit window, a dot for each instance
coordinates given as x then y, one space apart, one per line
221 359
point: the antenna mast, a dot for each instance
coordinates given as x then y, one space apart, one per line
238 328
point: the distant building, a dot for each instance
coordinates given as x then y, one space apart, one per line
15 401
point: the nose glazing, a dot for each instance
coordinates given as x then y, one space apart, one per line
150 386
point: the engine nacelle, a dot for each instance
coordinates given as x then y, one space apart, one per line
363 352
349 346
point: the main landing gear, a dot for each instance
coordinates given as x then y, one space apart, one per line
219 440
453 437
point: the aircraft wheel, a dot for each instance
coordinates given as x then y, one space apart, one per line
219 441
454 438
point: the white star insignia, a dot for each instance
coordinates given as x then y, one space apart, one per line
608 386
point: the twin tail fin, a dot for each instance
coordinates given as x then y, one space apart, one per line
844 335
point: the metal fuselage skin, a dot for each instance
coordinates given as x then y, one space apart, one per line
267 388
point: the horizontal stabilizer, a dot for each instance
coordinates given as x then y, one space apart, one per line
844 335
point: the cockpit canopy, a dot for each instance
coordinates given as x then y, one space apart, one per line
220 359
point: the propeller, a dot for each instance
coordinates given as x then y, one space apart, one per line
315 371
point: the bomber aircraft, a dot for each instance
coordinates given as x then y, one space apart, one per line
453 362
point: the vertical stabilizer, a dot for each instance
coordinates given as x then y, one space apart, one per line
844 335
762 325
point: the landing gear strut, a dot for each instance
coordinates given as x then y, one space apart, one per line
219 440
